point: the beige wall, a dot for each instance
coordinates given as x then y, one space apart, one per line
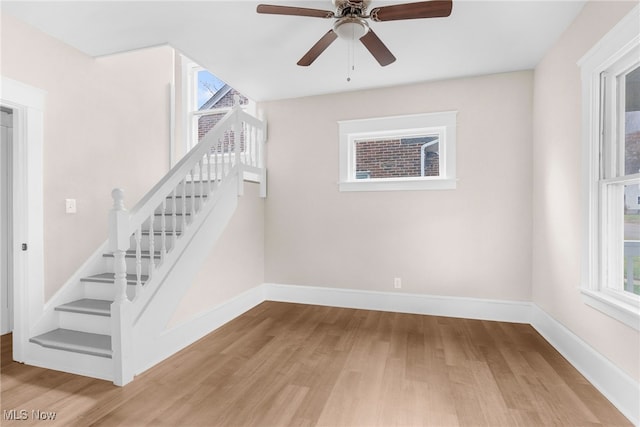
236 263
474 241
557 197
103 119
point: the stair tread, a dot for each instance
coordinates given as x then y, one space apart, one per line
171 214
76 341
159 233
108 278
96 307
188 196
132 254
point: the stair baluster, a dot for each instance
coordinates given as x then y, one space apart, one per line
209 189
223 148
201 169
238 128
152 248
254 149
246 139
215 167
138 239
260 147
254 161
183 185
226 163
246 143
174 223
163 231
249 150
193 192
217 161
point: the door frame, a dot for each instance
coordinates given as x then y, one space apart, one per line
27 103
6 323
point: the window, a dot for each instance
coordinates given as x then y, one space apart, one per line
398 153
207 100
611 121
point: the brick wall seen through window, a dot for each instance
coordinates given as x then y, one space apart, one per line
397 158
207 122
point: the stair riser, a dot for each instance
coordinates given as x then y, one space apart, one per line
66 361
144 242
179 207
85 322
198 190
131 265
104 291
168 225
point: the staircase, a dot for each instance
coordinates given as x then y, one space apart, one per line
106 319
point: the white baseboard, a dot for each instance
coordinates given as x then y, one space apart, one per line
617 386
468 308
621 390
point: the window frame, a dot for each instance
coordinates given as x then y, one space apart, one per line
190 112
441 123
602 173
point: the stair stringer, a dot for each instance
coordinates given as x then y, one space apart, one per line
152 342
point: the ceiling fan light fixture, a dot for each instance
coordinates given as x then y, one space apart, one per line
351 28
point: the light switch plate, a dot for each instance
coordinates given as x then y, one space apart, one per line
70 206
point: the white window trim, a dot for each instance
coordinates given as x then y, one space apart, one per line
613 47
189 114
442 123
423 153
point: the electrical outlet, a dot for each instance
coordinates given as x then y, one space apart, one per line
397 283
70 206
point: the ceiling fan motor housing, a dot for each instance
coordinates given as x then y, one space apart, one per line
351 7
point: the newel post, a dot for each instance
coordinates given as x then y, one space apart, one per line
237 138
121 325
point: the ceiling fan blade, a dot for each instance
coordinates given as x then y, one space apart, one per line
318 48
379 51
296 11
422 9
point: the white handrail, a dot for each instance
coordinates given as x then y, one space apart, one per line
160 191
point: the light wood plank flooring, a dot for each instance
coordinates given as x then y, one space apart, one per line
302 365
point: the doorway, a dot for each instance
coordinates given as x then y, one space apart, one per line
6 223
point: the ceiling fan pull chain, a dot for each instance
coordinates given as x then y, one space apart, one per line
350 59
353 55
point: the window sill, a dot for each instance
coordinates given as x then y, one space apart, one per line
627 313
398 184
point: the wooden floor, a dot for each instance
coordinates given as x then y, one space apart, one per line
301 365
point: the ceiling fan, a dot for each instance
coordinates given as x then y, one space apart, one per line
350 23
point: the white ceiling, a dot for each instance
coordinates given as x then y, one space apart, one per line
257 54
